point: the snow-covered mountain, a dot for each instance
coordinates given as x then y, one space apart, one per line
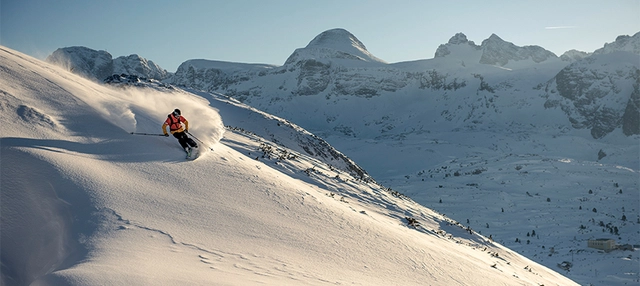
623 43
494 50
83 61
100 64
333 45
200 74
458 41
137 65
574 55
335 65
85 202
599 93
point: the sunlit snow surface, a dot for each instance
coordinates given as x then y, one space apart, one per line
84 202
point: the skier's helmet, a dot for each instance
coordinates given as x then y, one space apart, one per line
176 112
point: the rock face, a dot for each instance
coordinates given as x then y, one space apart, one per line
631 116
99 64
138 66
599 93
83 61
496 51
218 76
458 39
574 55
623 43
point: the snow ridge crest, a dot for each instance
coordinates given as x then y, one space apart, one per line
334 44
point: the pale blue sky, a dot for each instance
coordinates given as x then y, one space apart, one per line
268 31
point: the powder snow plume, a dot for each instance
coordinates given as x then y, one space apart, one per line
133 109
145 109
149 108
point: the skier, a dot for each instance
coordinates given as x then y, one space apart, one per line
174 121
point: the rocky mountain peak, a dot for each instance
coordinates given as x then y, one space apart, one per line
496 51
459 39
493 39
100 64
623 43
138 66
574 55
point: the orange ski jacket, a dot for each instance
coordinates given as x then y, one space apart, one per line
175 124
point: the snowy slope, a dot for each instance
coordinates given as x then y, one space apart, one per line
86 203
415 125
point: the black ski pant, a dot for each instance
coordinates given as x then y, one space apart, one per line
184 140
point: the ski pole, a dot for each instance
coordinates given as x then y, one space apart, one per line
151 134
194 137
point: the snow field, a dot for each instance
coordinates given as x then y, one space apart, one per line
140 214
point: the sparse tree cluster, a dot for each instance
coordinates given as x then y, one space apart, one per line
396 194
241 130
434 80
412 222
308 171
269 152
483 84
609 227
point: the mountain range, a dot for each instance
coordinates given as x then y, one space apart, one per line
476 132
335 65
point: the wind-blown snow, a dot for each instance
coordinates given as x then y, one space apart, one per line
84 202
